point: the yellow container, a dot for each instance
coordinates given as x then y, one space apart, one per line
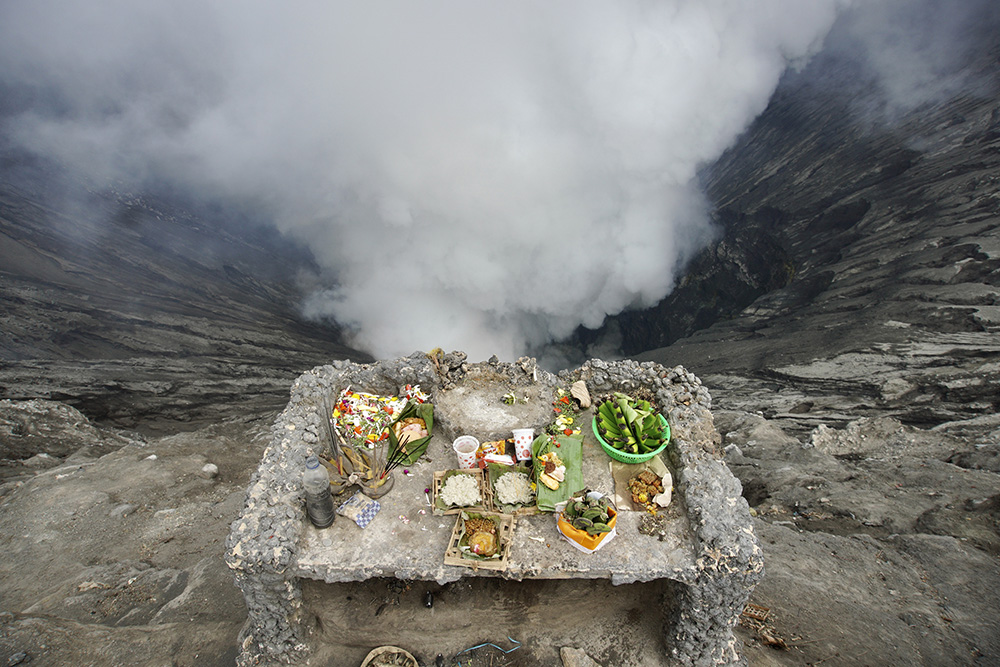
582 537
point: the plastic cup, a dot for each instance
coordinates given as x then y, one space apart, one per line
466 448
523 437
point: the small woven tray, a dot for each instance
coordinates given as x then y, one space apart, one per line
756 612
439 479
384 654
505 533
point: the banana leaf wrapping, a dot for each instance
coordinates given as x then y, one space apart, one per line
414 448
494 471
570 450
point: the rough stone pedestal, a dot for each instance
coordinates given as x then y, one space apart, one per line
707 550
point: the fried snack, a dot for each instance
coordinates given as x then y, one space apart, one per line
553 471
482 536
478 525
644 487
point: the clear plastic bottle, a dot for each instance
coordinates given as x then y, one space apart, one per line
319 501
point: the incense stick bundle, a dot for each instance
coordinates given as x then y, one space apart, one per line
396 457
332 434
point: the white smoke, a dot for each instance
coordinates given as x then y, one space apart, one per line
471 175
914 54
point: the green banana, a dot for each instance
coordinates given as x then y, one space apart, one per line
623 424
603 432
608 431
616 410
598 528
634 424
609 425
606 421
627 410
651 427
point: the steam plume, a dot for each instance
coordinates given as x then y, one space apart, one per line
471 175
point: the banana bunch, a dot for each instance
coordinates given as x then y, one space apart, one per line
629 425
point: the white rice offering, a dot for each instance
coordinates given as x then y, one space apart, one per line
514 488
460 490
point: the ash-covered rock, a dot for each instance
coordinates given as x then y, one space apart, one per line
875 517
38 434
117 558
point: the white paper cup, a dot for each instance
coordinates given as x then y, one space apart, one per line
523 437
466 448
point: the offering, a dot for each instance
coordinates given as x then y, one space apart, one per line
461 490
455 490
566 411
411 432
587 520
645 487
480 540
568 450
514 488
630 429
390 656
632 480
553 472
363 419
496 451
511 488
411 428
362 430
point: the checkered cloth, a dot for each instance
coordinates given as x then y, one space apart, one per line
360 508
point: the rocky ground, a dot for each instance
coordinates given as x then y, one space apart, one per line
857 402
880 543
115 557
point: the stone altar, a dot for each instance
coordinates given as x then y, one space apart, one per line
707 555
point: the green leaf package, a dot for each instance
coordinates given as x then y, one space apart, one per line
414 448
570 451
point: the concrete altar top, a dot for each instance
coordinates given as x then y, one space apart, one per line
413 547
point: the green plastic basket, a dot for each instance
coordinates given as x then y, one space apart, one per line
625 457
